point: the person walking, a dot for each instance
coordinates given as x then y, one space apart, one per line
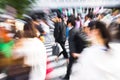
60 35
99 61
76 45
32 50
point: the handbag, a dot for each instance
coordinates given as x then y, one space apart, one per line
56 49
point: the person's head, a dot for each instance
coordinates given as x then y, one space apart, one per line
72 16
100 16
29 30
115 12
114 29
99 31
36 20
54 17
89 16
60 18
71 22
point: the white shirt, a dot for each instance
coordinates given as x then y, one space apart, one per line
97 64
34 53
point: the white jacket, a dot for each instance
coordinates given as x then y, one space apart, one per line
34 53
97 64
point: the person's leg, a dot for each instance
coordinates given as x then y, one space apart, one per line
64 52
69 67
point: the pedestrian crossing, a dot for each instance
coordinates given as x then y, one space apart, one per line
58 68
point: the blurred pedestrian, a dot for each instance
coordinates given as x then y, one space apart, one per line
60 34
88 18
78 22
32 50
46 28
38 26
95 61
76 45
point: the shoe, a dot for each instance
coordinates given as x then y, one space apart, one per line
63 78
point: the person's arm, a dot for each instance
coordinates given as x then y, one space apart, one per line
75 55
56 32
71 41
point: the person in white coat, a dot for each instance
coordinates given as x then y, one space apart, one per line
99 61
33 51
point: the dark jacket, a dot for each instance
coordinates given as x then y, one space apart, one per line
60 32
76 41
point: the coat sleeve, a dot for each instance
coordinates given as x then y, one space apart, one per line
72 34
56 32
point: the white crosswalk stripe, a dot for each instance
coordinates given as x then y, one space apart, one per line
59 68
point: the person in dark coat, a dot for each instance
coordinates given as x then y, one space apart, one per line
60 35
76 44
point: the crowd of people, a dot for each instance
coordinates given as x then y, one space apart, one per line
22 50
92 51
93 46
